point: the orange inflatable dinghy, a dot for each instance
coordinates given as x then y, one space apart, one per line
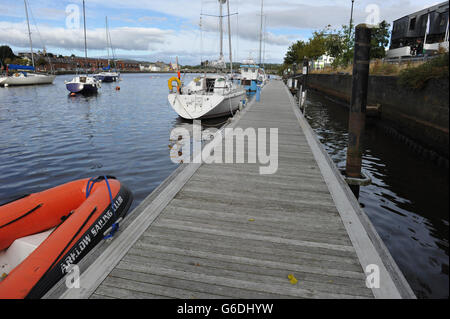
43 234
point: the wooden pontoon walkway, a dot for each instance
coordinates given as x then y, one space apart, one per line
225 231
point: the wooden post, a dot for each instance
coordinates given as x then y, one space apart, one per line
357 116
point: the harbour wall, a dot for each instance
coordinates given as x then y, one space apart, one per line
418 117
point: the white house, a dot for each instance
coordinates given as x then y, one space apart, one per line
322 62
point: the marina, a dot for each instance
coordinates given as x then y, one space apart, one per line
227 178
182 209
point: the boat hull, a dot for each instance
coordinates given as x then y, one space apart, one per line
81 88
81 229
193 106
107 77
30 79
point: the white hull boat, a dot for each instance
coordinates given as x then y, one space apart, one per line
203 105
27 79
209 96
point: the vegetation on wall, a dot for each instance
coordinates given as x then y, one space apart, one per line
417 77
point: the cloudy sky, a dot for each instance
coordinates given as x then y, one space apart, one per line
164 29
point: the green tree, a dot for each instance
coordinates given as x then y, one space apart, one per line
6 53
379 40
312 49
295 53
41 61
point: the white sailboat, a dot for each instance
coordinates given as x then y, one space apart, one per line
107 75
211 95
83 84
22 76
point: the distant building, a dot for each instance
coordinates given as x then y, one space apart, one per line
409 32
127 65
75 63
322 62
162 66
145 66
155 68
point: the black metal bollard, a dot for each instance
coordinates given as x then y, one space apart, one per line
357 117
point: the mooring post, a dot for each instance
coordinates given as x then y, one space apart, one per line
305 71
294 71
358 103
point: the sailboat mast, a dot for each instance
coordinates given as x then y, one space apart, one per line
85 41
107 38
221 28
29 32
261 31
229 37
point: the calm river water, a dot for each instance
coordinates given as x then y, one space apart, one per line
407 201
49 138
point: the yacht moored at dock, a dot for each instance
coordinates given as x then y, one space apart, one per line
206 97
252 76
211 95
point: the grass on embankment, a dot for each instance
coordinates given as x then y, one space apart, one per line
417 77
411 75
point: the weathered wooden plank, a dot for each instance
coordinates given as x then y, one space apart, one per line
310 236
309 222
126 288
140 279
314 231
293 266
268 255
276 238
229 286
150 255
281 278
120 289
322 214
217 240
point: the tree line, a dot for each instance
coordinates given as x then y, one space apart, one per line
338 44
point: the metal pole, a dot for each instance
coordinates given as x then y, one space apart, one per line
357 116
221 28
260 33
351 22
29 32
85 41
229 38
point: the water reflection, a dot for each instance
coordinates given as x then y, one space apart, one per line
407 201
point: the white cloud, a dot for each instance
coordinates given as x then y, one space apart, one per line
287 21
126 38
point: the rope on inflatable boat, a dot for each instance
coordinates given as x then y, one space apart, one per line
89 186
